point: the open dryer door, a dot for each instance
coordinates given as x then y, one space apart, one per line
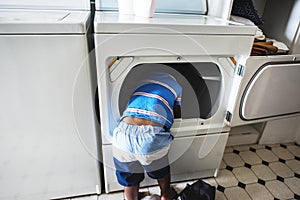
268 89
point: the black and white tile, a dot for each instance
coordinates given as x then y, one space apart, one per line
262 172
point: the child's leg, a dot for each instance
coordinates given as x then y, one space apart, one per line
167 193
131 192
160 170
129 174
164 184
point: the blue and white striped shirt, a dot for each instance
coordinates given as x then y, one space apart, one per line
155 98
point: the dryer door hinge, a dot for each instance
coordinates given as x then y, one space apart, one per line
240 70
228 116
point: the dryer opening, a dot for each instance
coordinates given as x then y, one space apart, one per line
200 82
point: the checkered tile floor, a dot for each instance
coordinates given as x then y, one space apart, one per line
259 172
248 172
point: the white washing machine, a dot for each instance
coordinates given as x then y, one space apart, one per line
196 50
47 120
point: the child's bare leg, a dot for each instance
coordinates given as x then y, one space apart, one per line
166 192
131 192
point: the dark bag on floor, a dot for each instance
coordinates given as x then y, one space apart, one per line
197 191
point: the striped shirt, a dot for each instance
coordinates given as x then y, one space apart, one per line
155 98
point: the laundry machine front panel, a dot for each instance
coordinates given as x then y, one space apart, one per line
205 152
160 48
269 89
48 130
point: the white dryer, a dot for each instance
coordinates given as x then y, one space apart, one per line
47 120
196 50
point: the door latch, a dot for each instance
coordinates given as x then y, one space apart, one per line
240 70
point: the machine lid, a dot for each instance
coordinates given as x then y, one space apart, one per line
46 4
112 22
17 21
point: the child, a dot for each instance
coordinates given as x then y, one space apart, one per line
142 139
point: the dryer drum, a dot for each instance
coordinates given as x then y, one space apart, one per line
199 86
197 98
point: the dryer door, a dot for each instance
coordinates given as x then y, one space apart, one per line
268 89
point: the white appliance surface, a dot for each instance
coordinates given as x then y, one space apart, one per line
201 152
126 45
48 128
47 4
21 21
268 89
112 22
271 77
281 131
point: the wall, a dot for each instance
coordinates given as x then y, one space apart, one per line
281 19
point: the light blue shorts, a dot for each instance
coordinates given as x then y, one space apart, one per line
139 148
144 143
144 139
